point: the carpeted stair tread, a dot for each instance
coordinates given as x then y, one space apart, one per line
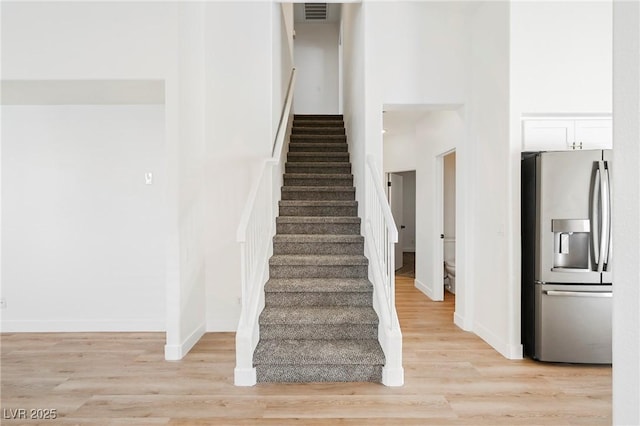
318 208
319 156
318 352
308 188
323 315
307 238
318 203
319 175
311 139
318 117
318 260
318 285
319 147
313 179
318 123
318 167
318 323
315 225
319 219
302 192
304 129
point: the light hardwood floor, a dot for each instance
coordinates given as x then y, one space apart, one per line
451 378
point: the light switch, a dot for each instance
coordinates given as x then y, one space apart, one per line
148 178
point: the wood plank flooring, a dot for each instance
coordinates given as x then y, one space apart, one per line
451 378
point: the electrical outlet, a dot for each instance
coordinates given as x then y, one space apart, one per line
239 301
3 303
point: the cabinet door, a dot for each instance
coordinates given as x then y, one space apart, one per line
547 135
594 134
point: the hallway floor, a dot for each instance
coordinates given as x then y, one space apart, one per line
451 378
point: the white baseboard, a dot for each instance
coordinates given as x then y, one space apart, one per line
423 288
177 352
244 376
81 326
460 322
507 350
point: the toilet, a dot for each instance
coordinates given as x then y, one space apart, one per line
450 275
450 264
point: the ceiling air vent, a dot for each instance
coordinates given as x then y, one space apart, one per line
315 11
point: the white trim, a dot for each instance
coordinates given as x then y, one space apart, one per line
506 349
78 326
177 352
423 288
459 320
393 377
244 376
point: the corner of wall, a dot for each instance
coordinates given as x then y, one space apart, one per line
177 352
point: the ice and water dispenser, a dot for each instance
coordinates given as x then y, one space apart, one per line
571 239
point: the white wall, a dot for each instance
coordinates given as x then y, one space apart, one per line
560 56
438 133
416 54
495 290
354 92
238 93
82 235
316 59
185 293
210 92
399 149
40 40
626 211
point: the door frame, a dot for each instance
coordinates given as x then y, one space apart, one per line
438 248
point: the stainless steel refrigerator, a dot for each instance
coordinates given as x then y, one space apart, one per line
566 256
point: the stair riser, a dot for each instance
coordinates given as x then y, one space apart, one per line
301 129
318 299
319 195
318 117
318 271
318 248
322 211
319 373
327 157
333 139
318 123
318 181
319 331
295 168
318 147
318 228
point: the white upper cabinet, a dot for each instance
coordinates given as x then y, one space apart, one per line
566 133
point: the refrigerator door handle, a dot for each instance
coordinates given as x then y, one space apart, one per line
595 216
606 217
578 293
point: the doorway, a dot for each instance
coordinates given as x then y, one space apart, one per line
449 221
401 194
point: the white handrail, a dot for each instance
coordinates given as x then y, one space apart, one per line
384 234
381 235
255 233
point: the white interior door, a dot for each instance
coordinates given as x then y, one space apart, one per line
396 201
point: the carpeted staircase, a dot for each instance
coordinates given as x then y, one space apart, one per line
318 324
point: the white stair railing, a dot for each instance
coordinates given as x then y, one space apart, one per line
381 235
255 233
